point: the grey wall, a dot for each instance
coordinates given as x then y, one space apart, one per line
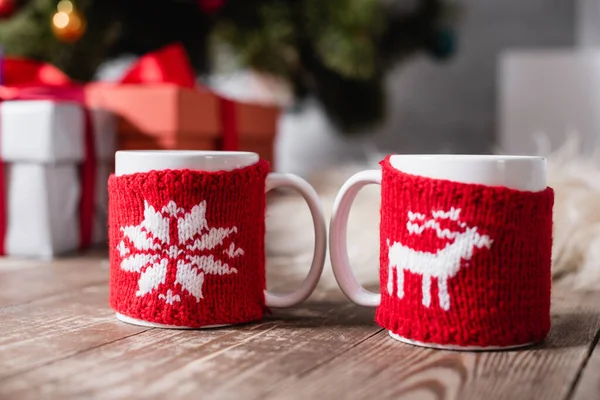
451 107
438 107
587 19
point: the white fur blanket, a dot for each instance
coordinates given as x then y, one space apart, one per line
576 249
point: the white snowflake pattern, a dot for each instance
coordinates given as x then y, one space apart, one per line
150 247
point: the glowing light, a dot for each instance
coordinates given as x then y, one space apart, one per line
65 6
61 20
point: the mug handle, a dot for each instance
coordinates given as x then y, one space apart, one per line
338 248
275 180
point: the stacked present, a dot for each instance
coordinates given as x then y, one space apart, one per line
58 140
160 106
56 158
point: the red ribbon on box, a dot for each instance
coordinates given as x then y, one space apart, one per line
170 64
30 80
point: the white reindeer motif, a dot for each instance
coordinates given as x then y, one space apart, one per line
443 264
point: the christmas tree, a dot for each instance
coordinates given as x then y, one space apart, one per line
335 50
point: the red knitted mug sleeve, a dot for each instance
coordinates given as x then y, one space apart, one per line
187 247
464 264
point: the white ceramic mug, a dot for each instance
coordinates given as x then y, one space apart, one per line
142 163
451 197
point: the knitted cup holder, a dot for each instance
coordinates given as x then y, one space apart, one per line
187 247
464 265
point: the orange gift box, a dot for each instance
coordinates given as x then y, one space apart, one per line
165 110
166 116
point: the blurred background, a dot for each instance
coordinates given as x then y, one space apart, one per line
352 79
456 105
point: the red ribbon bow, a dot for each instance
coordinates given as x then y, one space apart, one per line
171 65
167 65
24 73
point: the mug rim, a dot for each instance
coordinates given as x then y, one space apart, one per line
141 161
518 172
185 153
471 157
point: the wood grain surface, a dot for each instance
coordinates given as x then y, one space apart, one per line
64 342
60 340
589 385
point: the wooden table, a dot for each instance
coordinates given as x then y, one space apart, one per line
60 340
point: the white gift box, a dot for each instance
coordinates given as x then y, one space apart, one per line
42 148
549 94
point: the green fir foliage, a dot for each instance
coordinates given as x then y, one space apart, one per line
335 50
346 42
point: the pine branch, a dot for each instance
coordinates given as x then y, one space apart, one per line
337 50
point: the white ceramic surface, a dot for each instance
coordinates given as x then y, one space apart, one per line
455 347
133 161
516 172
141 322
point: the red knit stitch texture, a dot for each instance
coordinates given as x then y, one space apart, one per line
187 247
492 247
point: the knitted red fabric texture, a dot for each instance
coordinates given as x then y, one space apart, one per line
187 247
464 264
